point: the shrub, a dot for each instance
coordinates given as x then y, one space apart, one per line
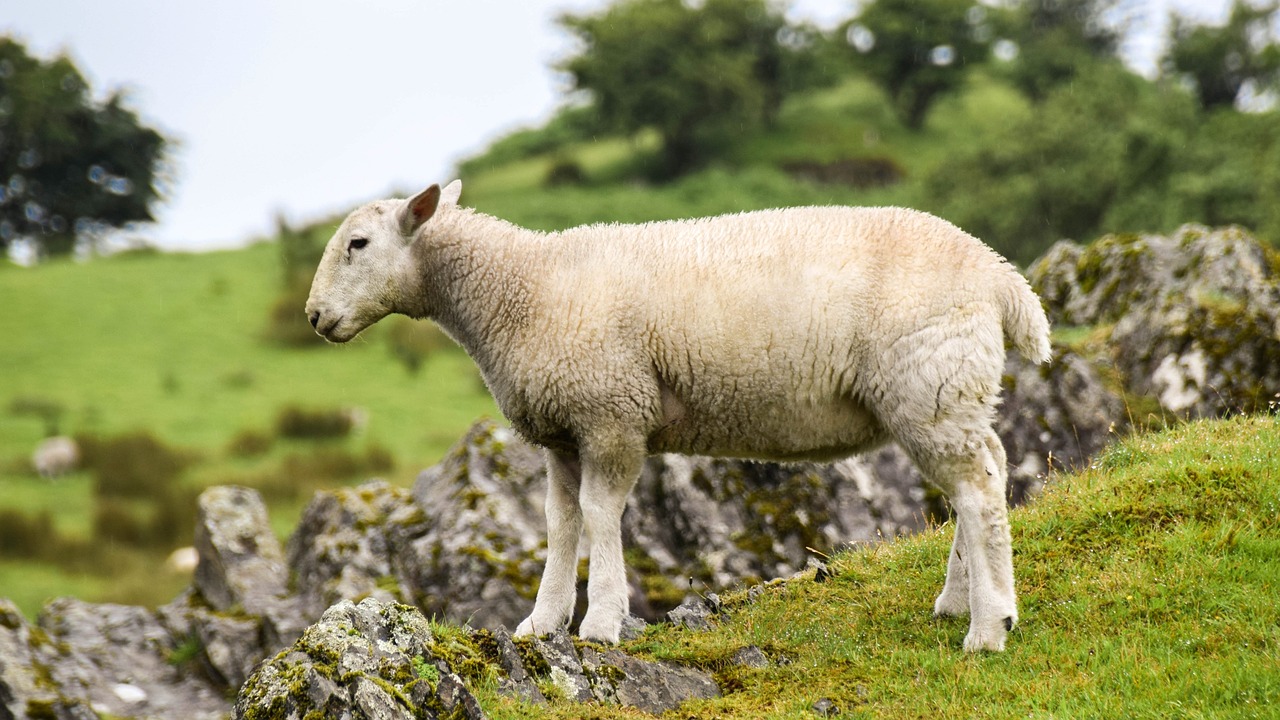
137 465
411 342
23 536
287 322
319 424
114 521
249 443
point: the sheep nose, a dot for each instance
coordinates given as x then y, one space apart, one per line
315 318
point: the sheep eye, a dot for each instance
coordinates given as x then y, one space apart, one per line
357 243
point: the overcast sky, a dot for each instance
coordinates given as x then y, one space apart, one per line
309 107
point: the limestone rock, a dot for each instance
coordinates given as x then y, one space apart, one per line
241 562
1194 317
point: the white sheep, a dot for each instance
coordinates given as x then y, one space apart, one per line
797 334
55 456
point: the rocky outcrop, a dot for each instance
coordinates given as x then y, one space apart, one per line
383 661
1192 319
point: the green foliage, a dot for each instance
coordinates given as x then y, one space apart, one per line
135 465
314 423
70 167
569 125
1058 41
412 341
1220 61
695 74
1103 152
917 51
300 251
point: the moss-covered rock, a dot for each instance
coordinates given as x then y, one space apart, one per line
1194 317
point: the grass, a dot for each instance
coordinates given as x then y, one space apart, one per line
173 344
1147 586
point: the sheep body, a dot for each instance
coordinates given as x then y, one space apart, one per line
795 334
55 456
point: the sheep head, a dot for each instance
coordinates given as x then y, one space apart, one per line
359 277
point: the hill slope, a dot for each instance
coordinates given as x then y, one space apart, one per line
1148 588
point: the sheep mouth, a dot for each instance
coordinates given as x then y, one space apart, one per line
330 331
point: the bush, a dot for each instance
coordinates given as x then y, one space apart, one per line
412 341
303 424
287 323
23 536
136 465
249 443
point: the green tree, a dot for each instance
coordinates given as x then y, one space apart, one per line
918 50
696 75
1221 60
70 167
1099 155
1058 40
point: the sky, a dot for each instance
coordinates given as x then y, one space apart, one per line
307 108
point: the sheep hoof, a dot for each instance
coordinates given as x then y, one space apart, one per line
950 605
979 642
524 629
598 631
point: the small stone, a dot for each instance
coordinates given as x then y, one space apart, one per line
750 656
821 573
632 627
825 707
693 614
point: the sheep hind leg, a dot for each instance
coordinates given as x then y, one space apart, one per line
606 482
557 592
953 601
975 481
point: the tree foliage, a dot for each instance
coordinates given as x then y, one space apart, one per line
1058 40
697 75
918 50
1111 152
1222 60
70 167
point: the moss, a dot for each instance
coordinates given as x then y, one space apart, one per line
532 660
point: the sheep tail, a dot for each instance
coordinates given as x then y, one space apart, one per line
1024 319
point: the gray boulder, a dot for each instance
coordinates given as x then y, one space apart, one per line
1192 319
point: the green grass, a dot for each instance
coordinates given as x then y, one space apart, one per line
1148 588
173 344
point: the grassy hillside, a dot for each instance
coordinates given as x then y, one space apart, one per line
852 121
173 345
1148 588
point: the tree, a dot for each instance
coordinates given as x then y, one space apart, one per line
696 75
1058 40
918 50
1222 60
1102 154
70 167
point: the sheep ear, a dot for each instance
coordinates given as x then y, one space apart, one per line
451 193
418 209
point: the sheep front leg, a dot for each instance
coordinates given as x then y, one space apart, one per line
557 592
606 482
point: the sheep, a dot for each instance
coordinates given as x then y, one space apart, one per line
801 334
55 456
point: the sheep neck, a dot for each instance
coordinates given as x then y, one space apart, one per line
471 276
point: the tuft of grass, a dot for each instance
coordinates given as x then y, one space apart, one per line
1147 588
